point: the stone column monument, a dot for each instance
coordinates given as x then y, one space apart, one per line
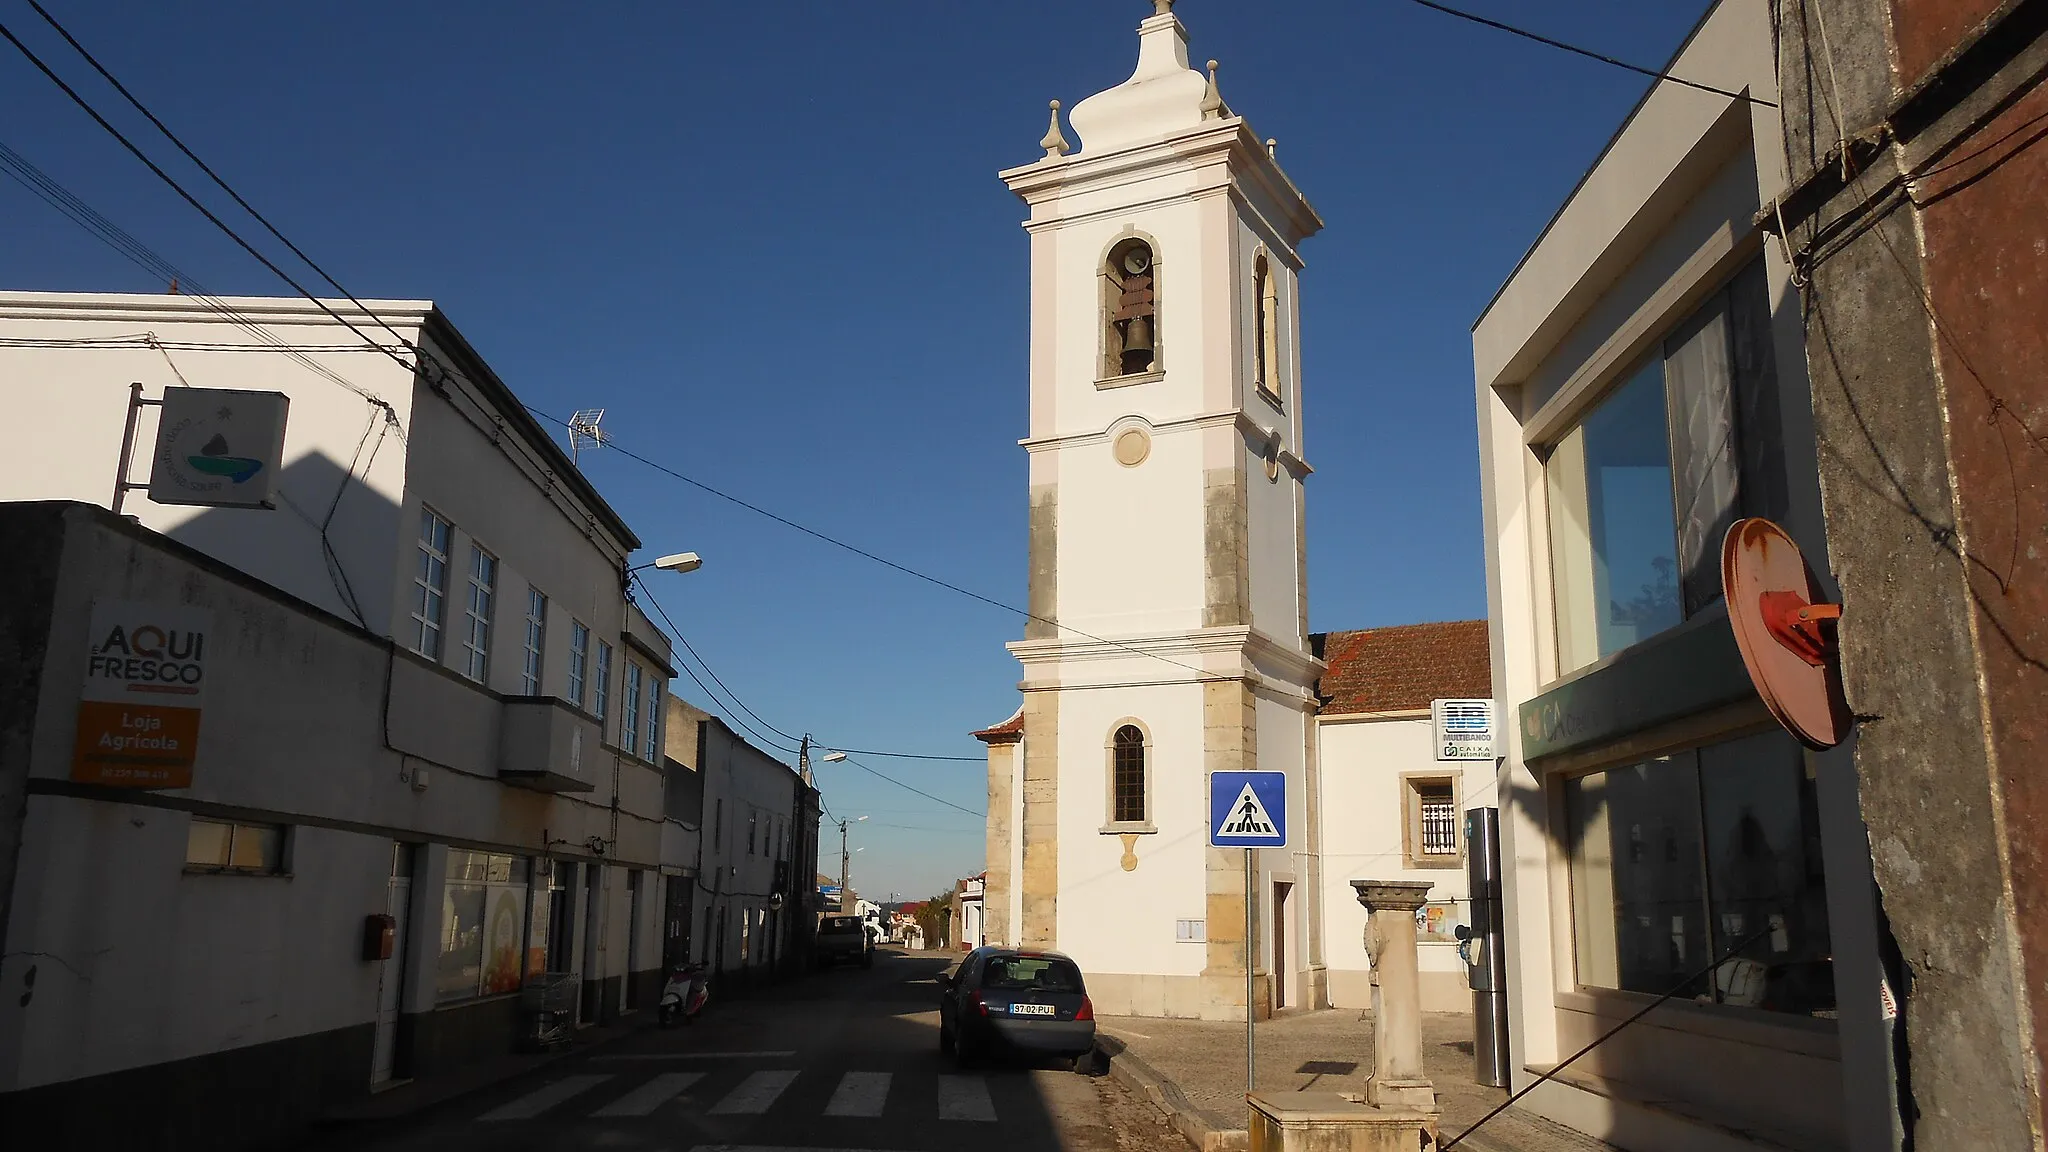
1398 1080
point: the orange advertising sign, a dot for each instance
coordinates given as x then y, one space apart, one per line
145 683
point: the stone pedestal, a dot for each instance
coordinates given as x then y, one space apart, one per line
1398 1080
1335 1122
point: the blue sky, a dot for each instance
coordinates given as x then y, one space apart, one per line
768 238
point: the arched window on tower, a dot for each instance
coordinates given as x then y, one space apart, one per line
1130 310
1266 327
1127 775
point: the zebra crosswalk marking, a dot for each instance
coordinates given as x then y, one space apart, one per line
545 1097
642 1101
860 1094
965 1098
755 1094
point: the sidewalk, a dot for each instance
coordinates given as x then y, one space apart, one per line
1194 1070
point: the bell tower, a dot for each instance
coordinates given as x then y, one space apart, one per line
1170 616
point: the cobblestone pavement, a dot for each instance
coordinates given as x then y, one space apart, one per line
1331 1051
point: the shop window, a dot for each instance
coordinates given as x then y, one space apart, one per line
220 846
1430 808
483 946
1642 491
1703 853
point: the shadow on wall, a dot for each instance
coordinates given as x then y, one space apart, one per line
330 541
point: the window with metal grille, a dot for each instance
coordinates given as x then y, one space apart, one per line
1437 815
1127 757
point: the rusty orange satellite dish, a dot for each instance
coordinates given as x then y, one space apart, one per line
1786 632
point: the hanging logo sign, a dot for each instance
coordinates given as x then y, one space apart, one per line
218 447
145 684
1248 809
1463 728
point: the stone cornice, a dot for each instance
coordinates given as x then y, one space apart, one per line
1247 166
1187 656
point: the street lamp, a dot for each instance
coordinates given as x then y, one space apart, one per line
674 562
834 758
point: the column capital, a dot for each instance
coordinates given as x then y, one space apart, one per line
1392 895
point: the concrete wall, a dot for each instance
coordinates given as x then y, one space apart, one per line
144 965
1924 339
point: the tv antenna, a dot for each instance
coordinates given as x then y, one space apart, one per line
584 432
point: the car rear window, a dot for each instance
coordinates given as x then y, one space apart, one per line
1037 973
841 923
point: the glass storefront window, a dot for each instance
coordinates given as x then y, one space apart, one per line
1642 492
483 921
1680 859
1614 546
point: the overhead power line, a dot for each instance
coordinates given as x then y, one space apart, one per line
910 788
1589 54
8 34
203 167
913 573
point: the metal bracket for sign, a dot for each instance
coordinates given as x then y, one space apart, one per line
122 484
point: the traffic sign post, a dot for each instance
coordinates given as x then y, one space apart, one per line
1248 810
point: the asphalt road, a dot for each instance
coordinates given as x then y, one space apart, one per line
841 1061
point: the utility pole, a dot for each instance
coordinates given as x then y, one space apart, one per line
843 860
803 758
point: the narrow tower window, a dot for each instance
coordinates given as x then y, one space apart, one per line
1131 329
1127 758
1266 328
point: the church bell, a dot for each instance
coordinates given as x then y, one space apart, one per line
1137 352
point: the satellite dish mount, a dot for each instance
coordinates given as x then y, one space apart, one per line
1786 631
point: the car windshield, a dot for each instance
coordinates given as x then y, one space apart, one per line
1031 973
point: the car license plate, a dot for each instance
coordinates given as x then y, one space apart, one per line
1033 1010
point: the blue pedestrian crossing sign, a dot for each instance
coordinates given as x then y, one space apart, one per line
1248 809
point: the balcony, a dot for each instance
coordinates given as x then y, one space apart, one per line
547 745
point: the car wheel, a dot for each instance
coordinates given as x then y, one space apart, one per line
965 1055
1083 1065
945 1041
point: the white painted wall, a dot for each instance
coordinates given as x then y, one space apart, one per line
141 962
75 394
1362 763
1110 920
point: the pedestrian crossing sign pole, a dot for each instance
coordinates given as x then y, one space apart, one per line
1248 810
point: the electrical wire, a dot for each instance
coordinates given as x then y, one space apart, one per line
865 554
911 788
203 167
8 34
1652 73
706 688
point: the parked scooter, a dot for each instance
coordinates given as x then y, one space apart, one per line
687 991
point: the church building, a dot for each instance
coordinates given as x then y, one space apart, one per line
1168 633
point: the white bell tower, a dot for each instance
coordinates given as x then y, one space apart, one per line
1166 541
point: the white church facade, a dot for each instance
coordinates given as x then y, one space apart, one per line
1168 636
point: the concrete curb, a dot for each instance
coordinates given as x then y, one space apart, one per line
1205 1130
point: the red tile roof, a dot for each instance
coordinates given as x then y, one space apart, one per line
1008 732
1403 667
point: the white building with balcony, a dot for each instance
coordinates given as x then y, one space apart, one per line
427 697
